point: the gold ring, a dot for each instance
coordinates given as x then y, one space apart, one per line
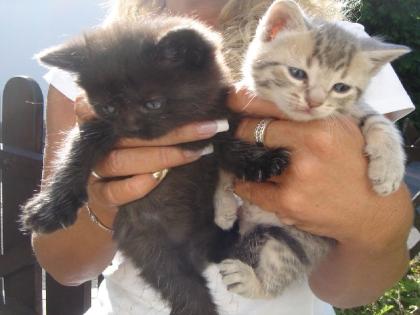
160 175
260 130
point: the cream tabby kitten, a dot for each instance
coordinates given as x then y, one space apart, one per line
310 69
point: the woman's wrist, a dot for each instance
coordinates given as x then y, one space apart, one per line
370 258
95 219
386 230
102 217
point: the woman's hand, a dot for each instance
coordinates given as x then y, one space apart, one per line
67 254
126 174
326 191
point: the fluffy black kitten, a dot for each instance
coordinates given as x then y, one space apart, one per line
143 81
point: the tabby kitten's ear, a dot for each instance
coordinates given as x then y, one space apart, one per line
184 47
70 56
283 15
380 53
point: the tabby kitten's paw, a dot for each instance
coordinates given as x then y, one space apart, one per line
386 168
241 279
45 215
270 163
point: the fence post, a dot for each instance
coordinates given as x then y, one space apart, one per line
21 163
21 168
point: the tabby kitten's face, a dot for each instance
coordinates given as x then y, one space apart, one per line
311 70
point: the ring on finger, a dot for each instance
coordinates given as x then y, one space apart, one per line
160 175
260 130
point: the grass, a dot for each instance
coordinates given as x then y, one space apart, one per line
402 299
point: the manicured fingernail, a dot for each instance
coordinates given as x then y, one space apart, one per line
207 150
196 154
212 127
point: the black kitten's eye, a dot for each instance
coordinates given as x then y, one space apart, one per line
108 109
341 88
298 74
154 104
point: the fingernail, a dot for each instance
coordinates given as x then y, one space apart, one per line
196 154
207 150
212 127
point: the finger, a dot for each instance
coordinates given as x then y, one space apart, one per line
130 161
120 192
243 101
266 196
82 109
278 133
183 134
261 194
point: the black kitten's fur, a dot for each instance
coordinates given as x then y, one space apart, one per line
143 81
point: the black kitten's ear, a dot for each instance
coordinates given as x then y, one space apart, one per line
70 56
184 46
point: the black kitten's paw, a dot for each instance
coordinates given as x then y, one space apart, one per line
270 163
45 215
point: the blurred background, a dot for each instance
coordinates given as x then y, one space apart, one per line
28 26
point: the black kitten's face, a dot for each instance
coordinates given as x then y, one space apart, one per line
146 87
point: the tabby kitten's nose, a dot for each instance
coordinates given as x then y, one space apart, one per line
313 103
315 97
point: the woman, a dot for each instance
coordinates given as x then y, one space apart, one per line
325 190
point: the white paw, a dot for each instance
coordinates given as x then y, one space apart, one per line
241 279
226 220
226 208
386 169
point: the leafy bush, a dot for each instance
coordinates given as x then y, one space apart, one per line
397 21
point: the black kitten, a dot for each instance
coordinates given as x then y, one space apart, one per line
143 81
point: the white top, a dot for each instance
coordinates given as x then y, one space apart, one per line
123 292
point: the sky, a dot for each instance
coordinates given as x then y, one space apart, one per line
29 26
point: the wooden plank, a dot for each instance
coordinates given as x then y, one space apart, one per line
67 300
16 259
21 160
21 164
22 129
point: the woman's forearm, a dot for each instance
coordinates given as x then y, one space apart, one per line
77 254
350 277
358 273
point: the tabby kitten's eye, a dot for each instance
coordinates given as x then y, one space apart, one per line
341 88
298 74
154 104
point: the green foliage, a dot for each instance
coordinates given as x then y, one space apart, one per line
397 21
403 299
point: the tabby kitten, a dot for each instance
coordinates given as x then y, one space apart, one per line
310 69
144 80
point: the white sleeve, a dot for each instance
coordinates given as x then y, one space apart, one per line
63 81
385 92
